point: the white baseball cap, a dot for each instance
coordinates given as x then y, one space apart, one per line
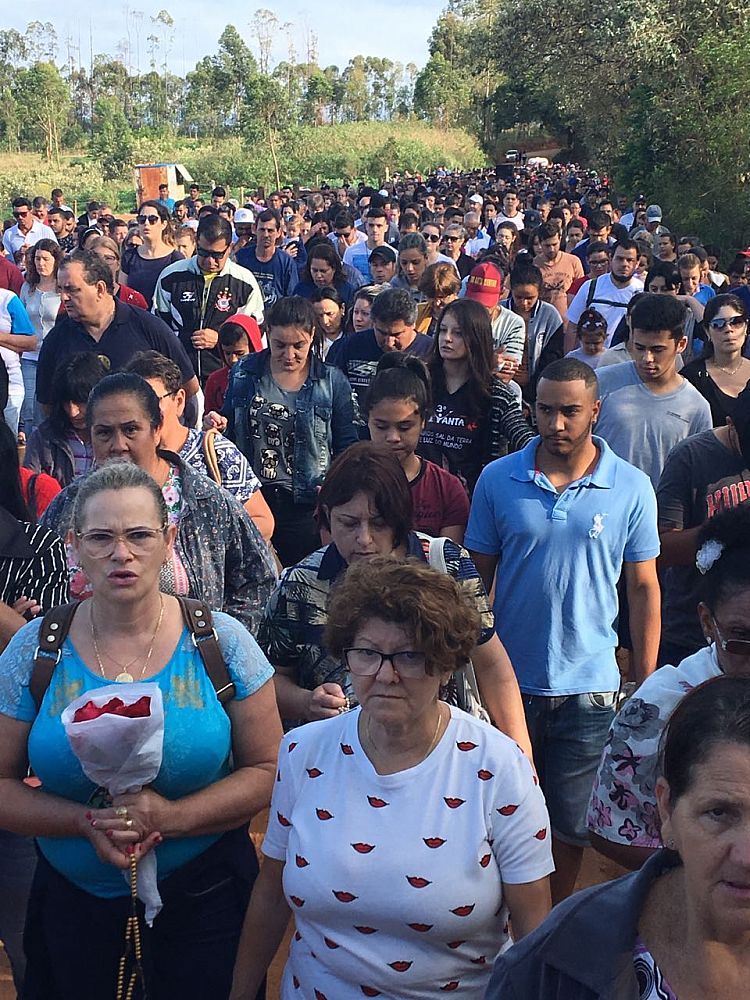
243 215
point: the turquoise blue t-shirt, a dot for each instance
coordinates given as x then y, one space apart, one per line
197 738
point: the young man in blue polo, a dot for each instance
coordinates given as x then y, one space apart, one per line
559 521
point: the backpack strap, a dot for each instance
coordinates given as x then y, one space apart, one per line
209 454
591 292
199 621
53 631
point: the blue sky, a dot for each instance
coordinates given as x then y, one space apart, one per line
388 28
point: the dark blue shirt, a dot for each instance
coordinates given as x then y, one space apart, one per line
276 277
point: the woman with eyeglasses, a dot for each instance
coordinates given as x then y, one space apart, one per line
216 770
108 250
623 818
403 835
218 554
140 268
721 373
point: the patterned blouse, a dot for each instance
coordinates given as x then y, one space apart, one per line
291 632
623 803
651 983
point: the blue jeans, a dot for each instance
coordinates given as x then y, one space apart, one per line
31 411
17 864
567 736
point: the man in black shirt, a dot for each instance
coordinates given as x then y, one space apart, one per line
96 321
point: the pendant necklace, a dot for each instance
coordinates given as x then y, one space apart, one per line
125 677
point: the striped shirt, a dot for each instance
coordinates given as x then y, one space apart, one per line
32 564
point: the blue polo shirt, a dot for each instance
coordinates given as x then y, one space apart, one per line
560 557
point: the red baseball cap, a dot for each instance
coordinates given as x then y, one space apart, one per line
485 285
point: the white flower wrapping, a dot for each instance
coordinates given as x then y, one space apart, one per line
122 755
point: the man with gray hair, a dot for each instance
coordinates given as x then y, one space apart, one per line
393 316
478 240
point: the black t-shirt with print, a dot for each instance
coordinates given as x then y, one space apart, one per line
455 436
701 478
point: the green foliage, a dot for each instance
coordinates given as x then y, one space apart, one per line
112 139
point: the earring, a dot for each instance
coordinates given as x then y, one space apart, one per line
671 845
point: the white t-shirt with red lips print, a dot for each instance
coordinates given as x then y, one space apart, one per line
395 881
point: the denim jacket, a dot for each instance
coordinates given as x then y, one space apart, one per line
323 421
228 564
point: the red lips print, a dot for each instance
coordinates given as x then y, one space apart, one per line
346 749
295 982
455 944
370 991
451 986
463 911
297 901
323 814
282 820
484 861
319 995
482 960
291 747
400 966
422 928
363 848
330 944
416 882
366 930
297 936
344 897
466 745
300 861
375 802
541 834
453 803
507 810
278 775
484 775
313 772
433 842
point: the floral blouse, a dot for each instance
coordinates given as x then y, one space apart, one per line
651 983
623 803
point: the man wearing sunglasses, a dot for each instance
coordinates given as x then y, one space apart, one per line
195 296
27 231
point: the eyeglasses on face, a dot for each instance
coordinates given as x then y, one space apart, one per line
100 543
151 219
20 214
213 254
431 237
721 322
738 647
365 662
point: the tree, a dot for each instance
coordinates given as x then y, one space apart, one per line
43 104
112 139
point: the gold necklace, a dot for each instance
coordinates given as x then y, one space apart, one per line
727 371
124 677
430 748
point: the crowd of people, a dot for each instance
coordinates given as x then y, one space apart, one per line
425 507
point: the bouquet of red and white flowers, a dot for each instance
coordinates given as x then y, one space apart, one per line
117 734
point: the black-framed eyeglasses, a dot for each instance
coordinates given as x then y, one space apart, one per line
165 394
151 219
737 647
721 322
364 662
213 254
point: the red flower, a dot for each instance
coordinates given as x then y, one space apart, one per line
140 709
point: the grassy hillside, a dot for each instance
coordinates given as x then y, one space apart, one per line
309 156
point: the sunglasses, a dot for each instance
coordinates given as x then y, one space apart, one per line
735 322
431 237
151 219
740 647
213 254
20 215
